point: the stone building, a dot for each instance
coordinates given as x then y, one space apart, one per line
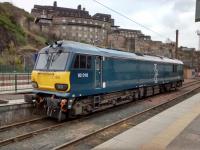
123 38
191 60
155 48
99 29
190 57
136 41
72 24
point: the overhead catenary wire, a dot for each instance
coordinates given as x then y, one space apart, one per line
139 24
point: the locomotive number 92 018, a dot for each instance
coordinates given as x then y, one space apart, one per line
82 75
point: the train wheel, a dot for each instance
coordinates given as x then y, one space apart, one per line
136 95
61 116
162 89
141 93
48 111
70 114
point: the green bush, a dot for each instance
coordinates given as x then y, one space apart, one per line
16 29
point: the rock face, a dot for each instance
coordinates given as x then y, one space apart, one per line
14 25
10 28
5 37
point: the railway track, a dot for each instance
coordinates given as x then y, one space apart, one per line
7 127
190 84
23 130
52 124
99 136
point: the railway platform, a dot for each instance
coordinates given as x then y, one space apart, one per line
175 128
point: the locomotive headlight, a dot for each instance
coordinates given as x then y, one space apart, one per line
61 87
34 84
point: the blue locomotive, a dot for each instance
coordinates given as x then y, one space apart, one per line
71 78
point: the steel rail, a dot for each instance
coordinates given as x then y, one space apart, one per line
123 121
30 134
21 123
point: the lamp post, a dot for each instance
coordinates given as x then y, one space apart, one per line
198 34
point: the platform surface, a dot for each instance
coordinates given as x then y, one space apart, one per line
175 128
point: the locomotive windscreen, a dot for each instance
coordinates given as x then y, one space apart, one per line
51 61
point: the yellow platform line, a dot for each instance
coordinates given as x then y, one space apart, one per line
163 139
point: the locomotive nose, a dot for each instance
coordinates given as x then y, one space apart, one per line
53 81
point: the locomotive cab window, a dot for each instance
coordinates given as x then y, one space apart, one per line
89 62
83 62
77 61
55 61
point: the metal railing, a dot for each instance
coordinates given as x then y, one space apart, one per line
15 82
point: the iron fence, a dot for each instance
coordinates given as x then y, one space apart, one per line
16 68
15 82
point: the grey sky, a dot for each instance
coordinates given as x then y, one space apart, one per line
162 16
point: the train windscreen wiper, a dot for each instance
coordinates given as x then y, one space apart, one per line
56 55
48 59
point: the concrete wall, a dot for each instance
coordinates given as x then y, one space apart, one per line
12 113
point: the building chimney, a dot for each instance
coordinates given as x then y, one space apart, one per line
83 9
79 7
55 3
176 48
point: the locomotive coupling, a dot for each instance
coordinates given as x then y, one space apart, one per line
56 107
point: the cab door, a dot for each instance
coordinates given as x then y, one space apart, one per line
98 71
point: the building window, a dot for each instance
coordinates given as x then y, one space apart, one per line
73 20
64 20
79 35
64 27
73 34
96 30
79 21
91 29
85 22
85 35
85 28
73 27
80 28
